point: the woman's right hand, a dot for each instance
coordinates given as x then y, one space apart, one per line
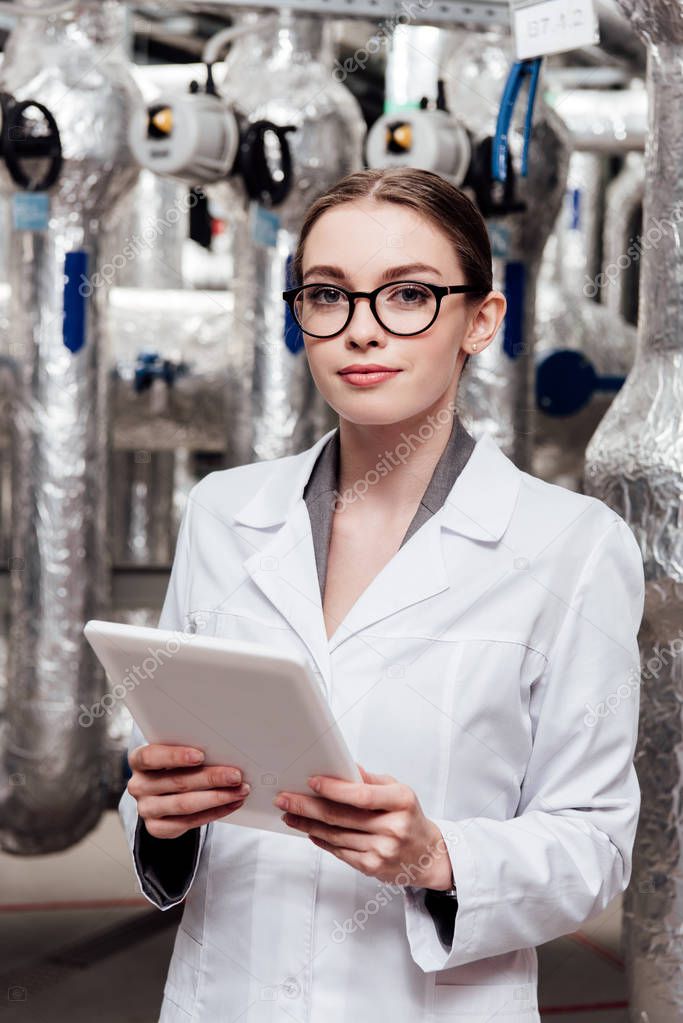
175 792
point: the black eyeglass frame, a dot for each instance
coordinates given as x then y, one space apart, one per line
438 290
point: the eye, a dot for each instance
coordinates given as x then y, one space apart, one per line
324 295
408 295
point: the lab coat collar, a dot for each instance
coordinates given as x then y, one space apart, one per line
479 505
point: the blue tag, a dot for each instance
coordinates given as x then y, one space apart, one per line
75 268
264 225
574 198
31 211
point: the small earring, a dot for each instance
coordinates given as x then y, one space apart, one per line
474 347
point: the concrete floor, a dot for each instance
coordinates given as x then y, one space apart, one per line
79 942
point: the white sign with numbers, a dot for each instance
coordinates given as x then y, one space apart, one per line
553 26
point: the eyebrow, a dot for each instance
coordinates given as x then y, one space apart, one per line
392 273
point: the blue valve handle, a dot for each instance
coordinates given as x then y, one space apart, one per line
150 366
519 70
566 381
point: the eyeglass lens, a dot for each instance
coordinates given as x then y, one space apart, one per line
323 309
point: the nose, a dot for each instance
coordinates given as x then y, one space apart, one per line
363 327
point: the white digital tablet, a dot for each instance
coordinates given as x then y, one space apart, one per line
242 704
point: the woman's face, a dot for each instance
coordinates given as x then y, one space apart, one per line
361 245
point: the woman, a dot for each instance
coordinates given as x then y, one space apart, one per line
469 624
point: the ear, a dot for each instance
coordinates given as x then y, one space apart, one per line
486 322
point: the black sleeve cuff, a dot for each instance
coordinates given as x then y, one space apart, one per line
442 909
166 865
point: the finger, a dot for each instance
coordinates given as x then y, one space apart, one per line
337 814
155 756
335 836
377 779
173 827
187 802
359 860
186 779
382 795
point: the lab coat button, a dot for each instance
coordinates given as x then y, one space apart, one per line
291 987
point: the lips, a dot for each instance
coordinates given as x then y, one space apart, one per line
368 375
368 368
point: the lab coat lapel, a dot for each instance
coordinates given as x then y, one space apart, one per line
478 507
416 572
285 570
283 564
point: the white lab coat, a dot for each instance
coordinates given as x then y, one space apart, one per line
492 665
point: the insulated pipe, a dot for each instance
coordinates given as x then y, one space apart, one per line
584 214
147 254
497 389
54 782
580 344
583 350
617 37
286 77
635 464
187 327
623 240
610 121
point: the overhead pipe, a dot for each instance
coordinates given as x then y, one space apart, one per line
610 121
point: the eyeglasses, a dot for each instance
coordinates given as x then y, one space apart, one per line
402 307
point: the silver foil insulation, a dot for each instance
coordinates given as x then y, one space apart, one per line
635 464
54 783
153 226
284 76
569 316
496 394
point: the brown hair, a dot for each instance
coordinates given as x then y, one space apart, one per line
446 206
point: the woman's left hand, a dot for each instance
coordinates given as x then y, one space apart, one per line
376 826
